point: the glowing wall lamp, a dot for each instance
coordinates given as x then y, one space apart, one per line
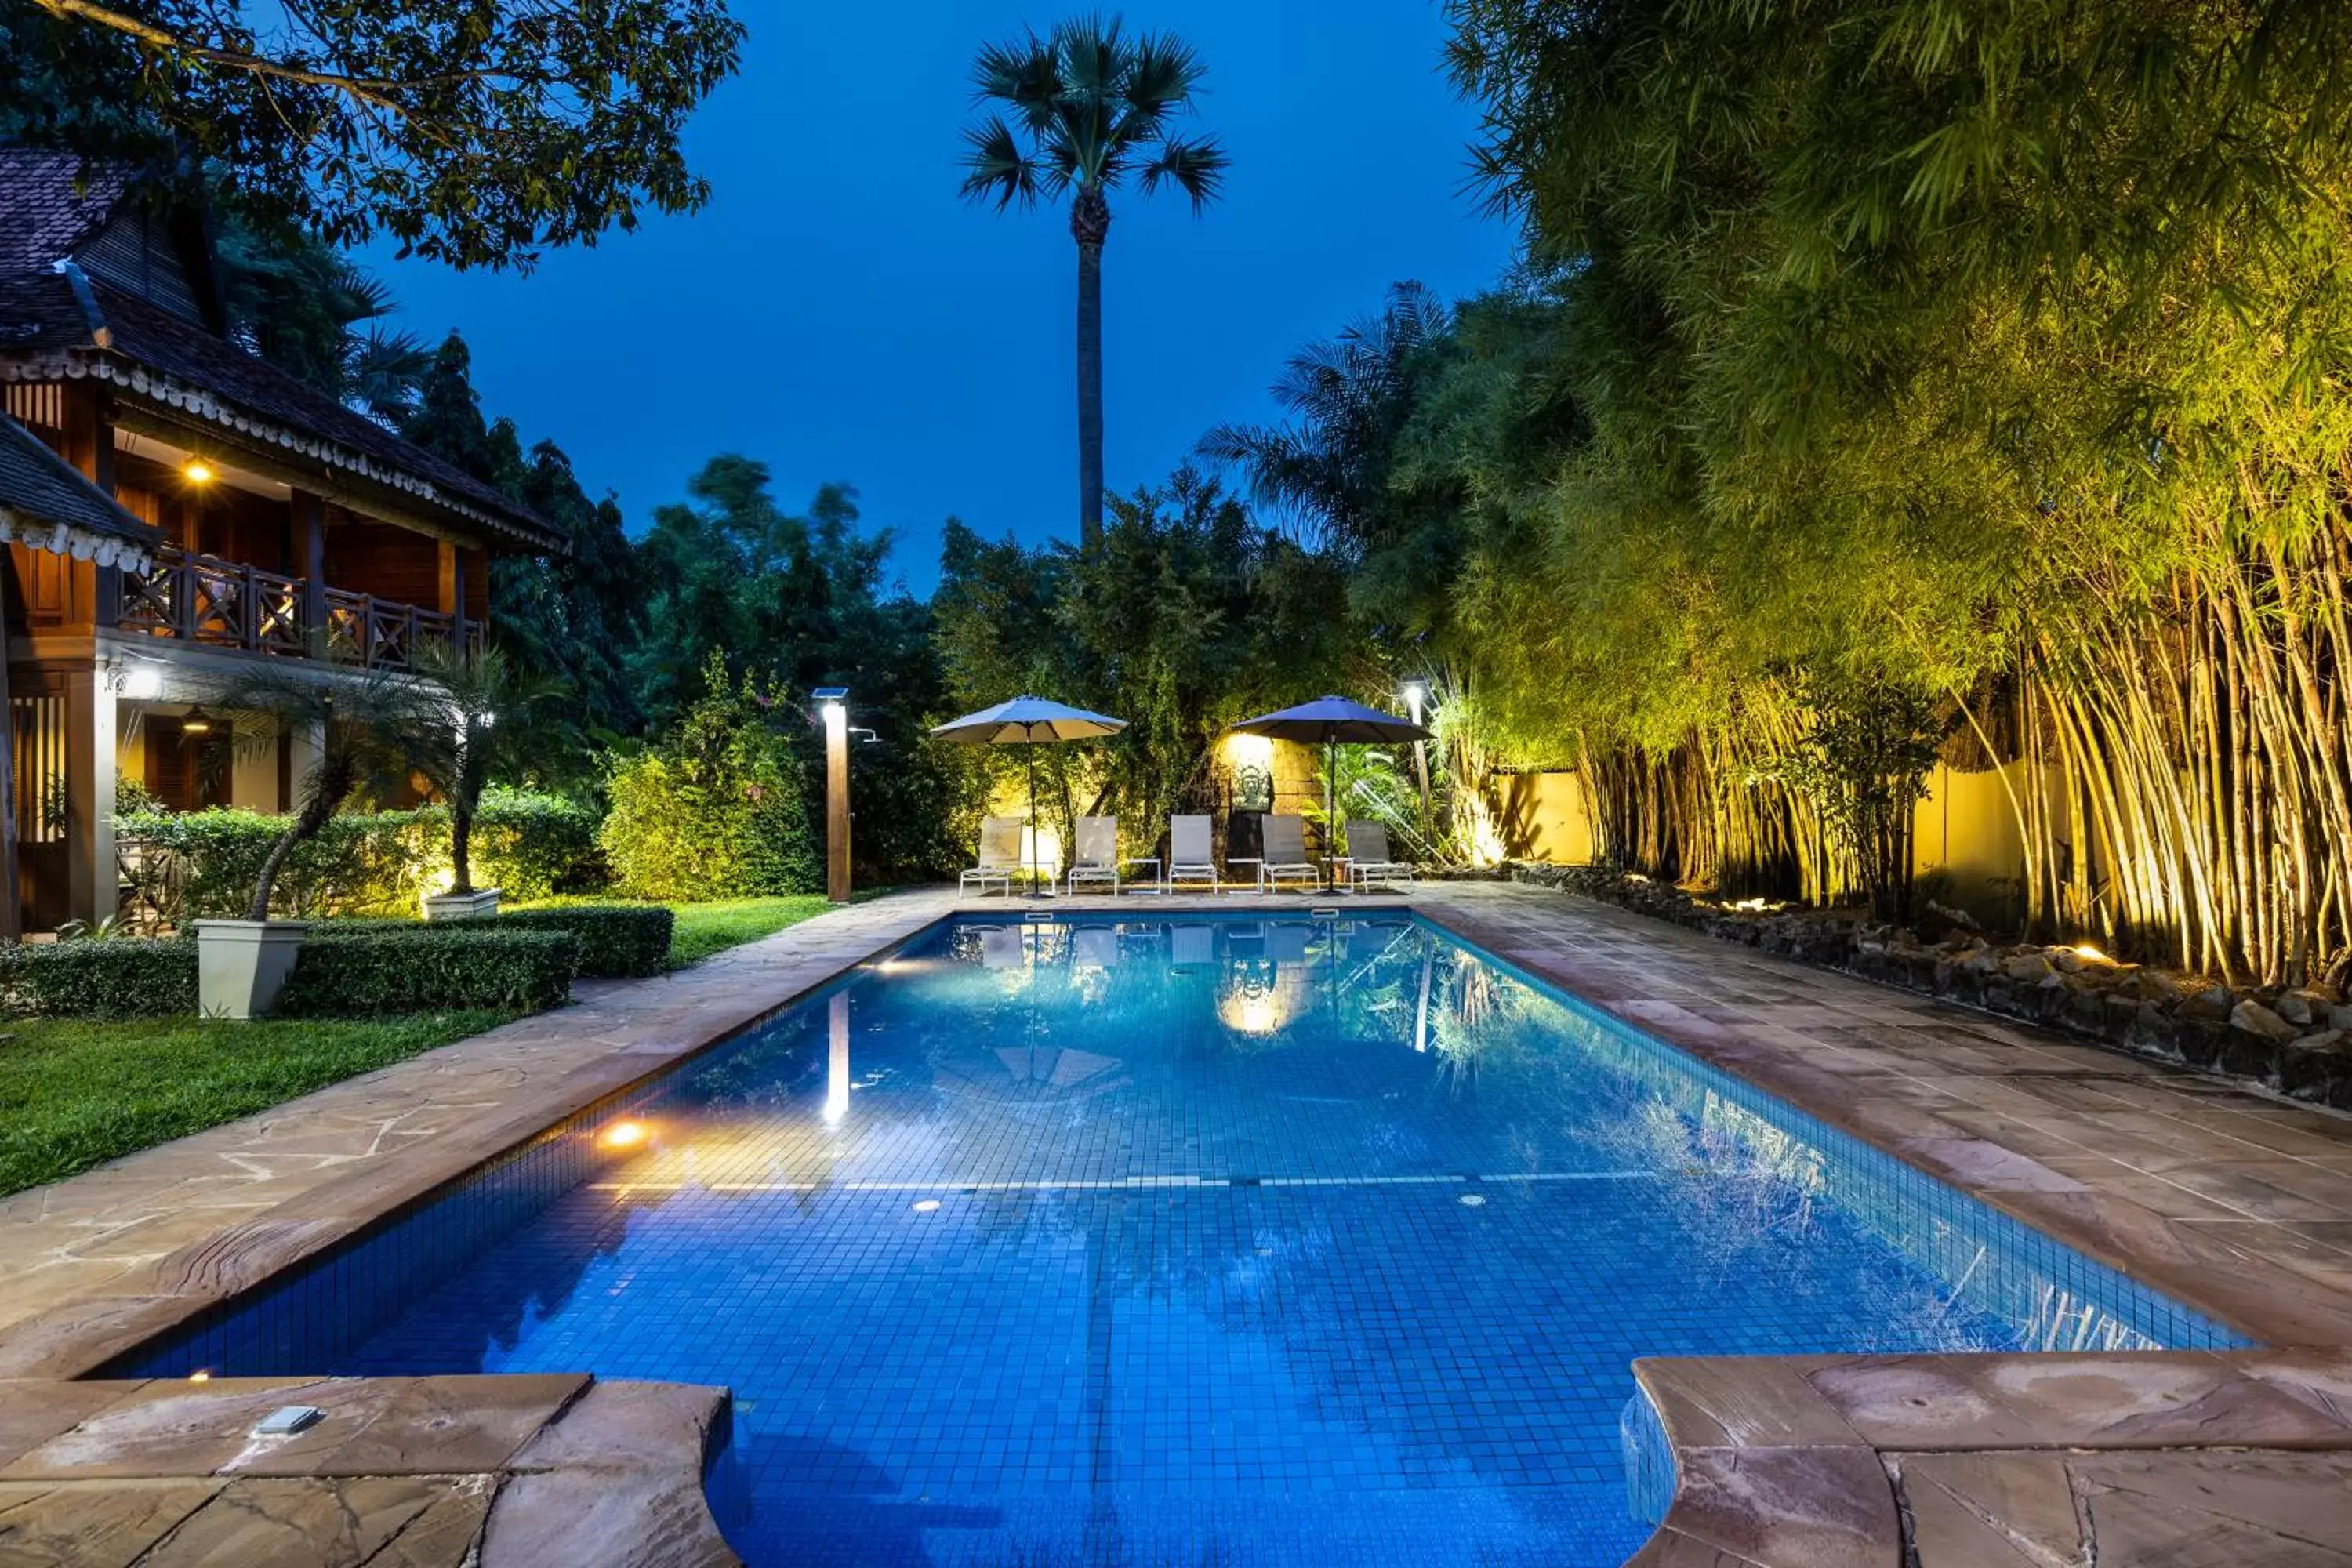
833 708
140 681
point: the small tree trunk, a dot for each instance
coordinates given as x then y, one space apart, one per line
461 841
334 781
1090 224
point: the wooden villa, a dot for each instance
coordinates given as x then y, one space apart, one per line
247 516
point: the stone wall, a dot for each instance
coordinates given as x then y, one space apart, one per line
2295 1041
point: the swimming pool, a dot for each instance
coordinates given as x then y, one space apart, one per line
1182 1240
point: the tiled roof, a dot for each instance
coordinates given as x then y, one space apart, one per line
47 503
51 204
148 353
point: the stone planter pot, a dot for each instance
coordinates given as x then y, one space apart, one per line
241 965
461 906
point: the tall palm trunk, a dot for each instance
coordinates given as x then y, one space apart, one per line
1090 225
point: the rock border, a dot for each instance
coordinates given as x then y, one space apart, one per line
2293 1040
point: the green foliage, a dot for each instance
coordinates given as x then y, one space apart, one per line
1863 760
721 809
372 971
615 940
117 978
75 1093
572 618
470 131
533 846
190 865
1183 617
1091 103
736 583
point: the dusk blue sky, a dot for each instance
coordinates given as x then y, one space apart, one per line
838 313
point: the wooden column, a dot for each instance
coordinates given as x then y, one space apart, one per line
96 597
91 893
836 802
12 892
310 565
91 889
454 590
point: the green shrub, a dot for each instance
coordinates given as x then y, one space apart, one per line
616 941
192 865
115 978
719 810
343 970
532 846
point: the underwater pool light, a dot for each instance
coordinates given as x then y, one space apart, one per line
622 1135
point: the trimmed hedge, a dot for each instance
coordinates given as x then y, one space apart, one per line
114 977
618 941
194 864
407 972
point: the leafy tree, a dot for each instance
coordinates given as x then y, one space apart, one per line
720 808
1089 105
315 313
573 617
1185 615
471 132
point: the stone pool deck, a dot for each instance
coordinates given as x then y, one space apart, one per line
2238 1204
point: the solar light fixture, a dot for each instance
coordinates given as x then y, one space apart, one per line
289 1419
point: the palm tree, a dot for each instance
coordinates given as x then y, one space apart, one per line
366 724
1329 467
1088 104
493 718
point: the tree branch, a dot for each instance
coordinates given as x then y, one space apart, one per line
384 94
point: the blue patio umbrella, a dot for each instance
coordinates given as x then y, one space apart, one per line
1026 721
1327 721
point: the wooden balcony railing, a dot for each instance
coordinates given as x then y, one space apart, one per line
226 604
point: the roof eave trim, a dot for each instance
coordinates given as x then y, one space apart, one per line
72 540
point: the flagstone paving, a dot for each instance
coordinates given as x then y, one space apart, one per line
2237 1204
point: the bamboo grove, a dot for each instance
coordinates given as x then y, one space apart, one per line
1887 380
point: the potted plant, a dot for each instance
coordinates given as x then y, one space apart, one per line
489 721
363 724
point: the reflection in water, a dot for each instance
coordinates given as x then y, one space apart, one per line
1143 1246
837 1076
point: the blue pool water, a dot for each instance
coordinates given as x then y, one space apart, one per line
1186 1241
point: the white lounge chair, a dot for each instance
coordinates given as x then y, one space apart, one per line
1283 841
1097 860
1191 853
999 856
1369 860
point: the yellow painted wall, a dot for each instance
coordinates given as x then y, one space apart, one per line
1967 827
1541 817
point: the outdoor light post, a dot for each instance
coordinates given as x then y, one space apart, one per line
833 704
1416 692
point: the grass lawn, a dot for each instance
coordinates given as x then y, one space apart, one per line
75 1092
705 928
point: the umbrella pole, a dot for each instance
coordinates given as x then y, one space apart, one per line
1029 754
1330 802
